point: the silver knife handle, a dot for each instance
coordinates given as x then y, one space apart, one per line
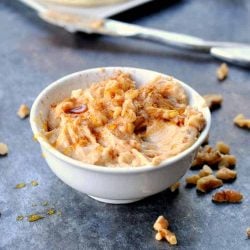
174 39
116 28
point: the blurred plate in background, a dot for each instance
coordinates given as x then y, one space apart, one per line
99 8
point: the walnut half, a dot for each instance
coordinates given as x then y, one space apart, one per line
227 195
208 183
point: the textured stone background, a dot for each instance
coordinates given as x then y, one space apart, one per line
33 54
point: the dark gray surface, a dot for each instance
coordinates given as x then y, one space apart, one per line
33 54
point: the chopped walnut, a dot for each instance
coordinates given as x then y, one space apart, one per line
3 149
158 236
207 155
161 226
222 147
248 232
208 183
169 236
227 161
215 157
227 195
241 121
174 187
226 174
23 111
222 72
213 100
205 171
161 222
192 180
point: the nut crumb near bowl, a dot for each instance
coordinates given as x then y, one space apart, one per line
248 232
192 179
175 187
226 174
207 183
205 171
213 100
3 149
23 111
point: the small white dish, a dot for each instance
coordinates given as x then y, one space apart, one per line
112 185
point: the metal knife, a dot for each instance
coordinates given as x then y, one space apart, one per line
236 53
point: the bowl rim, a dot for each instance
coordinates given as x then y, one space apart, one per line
114 170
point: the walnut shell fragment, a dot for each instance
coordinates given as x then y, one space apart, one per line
227 195
208 183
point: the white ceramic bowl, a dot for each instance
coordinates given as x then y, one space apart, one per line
111 185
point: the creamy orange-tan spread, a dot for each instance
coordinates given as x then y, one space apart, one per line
113 123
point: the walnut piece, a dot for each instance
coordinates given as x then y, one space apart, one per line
241 121
248 232
205 171
158 236
208 183
192 179
169 236
160 223
207 155
222 147
227 195
222 72
3 149
161 226
227 161
174 187
213 100
226 174
215 157
23 111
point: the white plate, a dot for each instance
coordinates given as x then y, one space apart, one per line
98 11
